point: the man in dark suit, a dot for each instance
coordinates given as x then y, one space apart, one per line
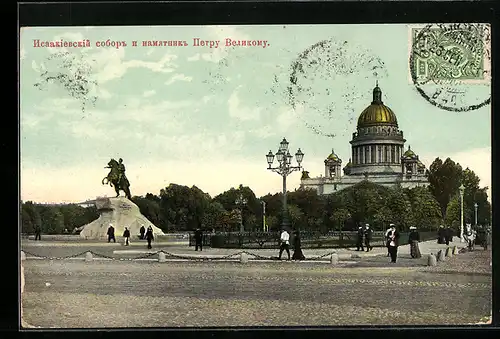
198 238
368 237
111 233
38 232
360 235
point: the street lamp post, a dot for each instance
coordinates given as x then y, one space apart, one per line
240 202
461 190
475 213
263 216
284 168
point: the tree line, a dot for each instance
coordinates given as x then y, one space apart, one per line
182 208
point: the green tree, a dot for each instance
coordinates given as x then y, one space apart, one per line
295 214
30 217
382 218
400 206
364 201
214 215
474 194
273 223
339 217
444 180
52 219
453 212
182 207
426 213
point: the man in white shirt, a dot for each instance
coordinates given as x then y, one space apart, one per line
391 227
284 243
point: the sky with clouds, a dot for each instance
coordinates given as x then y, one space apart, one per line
195 115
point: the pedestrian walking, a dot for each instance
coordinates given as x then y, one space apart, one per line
360 235
393 243
368 237
149 236
142 230
414 239
198 239
111 233
284 243
387 239
297 250
38 232
126 235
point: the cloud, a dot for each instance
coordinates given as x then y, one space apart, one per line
109 64
195 57
288 118
236 110
148 93
104 94
105 124
263 132
178 77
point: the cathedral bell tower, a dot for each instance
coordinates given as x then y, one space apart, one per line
333 166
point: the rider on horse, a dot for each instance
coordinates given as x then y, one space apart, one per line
117 178
121 171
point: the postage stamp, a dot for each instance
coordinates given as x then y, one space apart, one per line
444 59
459 52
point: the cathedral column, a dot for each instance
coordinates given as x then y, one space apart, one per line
369 154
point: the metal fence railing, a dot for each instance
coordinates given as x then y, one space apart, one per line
308 239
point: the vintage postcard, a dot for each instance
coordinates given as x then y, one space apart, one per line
255 175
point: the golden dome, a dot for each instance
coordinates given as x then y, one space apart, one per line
377 113
409 153
332 157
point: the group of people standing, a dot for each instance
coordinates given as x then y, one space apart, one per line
364 233
148 235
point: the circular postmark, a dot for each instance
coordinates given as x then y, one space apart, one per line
72 73
450 65
327 81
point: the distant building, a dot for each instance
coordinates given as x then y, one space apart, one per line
377 155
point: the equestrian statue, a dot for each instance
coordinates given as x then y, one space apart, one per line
116 177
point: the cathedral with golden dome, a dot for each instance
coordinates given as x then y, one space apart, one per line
377 155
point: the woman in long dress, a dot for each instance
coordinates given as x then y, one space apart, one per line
297 251
414 239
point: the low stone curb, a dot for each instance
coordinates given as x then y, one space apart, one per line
442 255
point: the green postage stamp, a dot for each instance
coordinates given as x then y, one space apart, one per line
457 52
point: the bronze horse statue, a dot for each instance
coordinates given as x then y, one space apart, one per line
117 179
